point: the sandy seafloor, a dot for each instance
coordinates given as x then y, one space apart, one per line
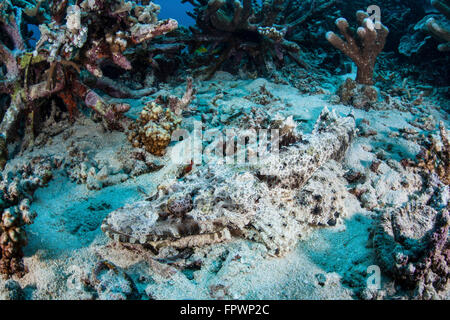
65 241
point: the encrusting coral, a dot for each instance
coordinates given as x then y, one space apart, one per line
158 120
363 50
94 31
273 203
247 31
440 29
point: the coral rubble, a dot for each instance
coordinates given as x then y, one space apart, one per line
112 283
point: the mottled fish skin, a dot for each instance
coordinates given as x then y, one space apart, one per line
226 203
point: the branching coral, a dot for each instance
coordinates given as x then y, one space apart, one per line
363 50
243 29
440 30
94 31
153 130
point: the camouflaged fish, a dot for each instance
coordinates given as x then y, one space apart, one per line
274 202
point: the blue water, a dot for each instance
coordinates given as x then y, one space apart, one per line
176 10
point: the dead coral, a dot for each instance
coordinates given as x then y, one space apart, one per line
261 96
363 50
94 31
95 178
176 104
111 282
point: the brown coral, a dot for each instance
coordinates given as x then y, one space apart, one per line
13 237
357 95
159 119
153 129
435 158
364 50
